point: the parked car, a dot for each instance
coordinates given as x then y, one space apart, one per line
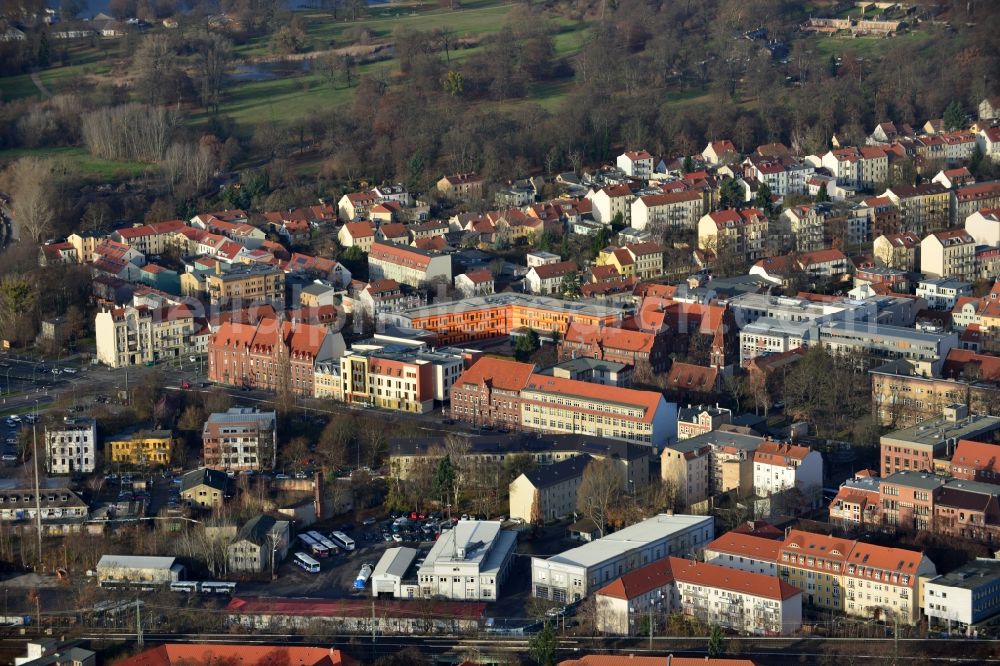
69 371
369 521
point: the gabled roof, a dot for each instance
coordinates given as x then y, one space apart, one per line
641 581
497 372
651 200
545 476
647 400
747 545
480 276
179 654
980 456
780 455
207 477
610 337
691 377
363 229
559 269
734 580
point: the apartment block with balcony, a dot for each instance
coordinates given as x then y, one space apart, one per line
140 335
742 233
240 439
949 254
243 285
924 207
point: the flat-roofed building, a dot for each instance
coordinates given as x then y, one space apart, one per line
966 596
878 343
142 448
710 464
138 570
252 283
71 446
395 575
469 562
240 439
572 575
917 447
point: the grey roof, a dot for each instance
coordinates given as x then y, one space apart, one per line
549 475
934 431
479 541
135 562
483 302
256 529
395 562
690 414
204 476
868 483
971 575
507 444
584 363
243 415
718 438
923 480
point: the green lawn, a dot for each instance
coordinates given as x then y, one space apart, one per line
866 47
79 161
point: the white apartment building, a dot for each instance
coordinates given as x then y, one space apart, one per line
949 254
773 336
469 562
984 227
609 202
138 335
749 603
71 446
673 210
943 293
636 164
778 467
407 265
572 575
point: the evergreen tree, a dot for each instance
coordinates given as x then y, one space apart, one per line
444 479
543 646
954 116
716 642
822 195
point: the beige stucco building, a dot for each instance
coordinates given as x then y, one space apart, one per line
548 492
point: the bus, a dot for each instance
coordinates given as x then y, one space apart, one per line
342 541
315 547
307 563
184 586
323 541
218 587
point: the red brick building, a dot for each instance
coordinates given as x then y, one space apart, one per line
605 343
489 393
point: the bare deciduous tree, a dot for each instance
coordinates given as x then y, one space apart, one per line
133 132
601 488
32 197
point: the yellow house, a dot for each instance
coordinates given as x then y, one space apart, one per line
143 448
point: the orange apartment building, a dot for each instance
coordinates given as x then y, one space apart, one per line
484 317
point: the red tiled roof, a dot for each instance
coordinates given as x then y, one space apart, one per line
178 654
648 400
691 377
747 545
980 456
362 229
394 230
669 198
641 581
724 578
550 271
479 277
500 373
780 455
610 337
399 255
822 257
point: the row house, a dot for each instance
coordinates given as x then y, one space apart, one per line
271 355
861 168
923 207
605 343
132 336
968 199
672 210
856 578
949 254
899 250
408 265
740 232
149 238
240 439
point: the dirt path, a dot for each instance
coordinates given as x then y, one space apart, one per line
41 86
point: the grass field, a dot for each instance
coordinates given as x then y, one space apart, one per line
79 161
867 47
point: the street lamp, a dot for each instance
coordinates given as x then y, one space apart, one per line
38 494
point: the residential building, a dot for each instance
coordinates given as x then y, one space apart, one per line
917 447
243 285
62 509
749 603
779 467
710 464
966 596
205 488
141 448
463 186
469 562
489 393
408 265
862 168
271 354
576 573
949 254
622 604
393 378
700 419
385 295
636 164
357 234
857 504
690 381
900 250
475 283
140 335
743 233
240 439
549 492
326 381
719 152
976 461
541 258
924 207
984 226
259 546
671 210
53 254
548 278
71 446
988 141
967 199
643 261
138 570
943 293
612 202
357 205
805 224
485 317
745 552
